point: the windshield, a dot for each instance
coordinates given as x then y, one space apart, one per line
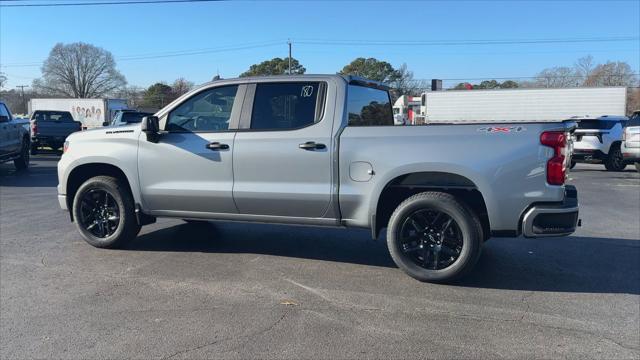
134 117
635 120
129 117
596 124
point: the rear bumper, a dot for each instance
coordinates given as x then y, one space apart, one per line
47 140
587 155
630 153
561 219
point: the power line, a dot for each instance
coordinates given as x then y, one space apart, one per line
527 77
127 2
354 42
174 53
464 42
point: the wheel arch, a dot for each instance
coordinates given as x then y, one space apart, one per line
81 173
406 185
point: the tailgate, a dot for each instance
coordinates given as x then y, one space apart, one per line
56 129
580 134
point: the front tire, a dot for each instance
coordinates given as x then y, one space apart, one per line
34 149
104 212
433 237
615 161
22 163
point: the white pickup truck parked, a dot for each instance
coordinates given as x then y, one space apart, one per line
322 150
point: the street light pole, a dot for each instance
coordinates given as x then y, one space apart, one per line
289 43
24 104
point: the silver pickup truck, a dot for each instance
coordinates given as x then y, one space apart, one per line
322 150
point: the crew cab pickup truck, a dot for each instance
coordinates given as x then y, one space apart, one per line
50 128
322 150
14 139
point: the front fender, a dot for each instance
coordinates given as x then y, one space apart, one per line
121 154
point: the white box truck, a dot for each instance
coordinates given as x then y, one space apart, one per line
521 105
91 113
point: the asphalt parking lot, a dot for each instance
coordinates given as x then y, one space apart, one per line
263 291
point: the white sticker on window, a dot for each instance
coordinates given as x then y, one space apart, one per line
307 91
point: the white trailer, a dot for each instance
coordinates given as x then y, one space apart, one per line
521 105
90 112
405 109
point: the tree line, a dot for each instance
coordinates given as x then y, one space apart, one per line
81 70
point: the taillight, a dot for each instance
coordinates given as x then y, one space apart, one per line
34 127
624 135
556 170
65 147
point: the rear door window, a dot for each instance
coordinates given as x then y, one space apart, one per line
368 107
286 106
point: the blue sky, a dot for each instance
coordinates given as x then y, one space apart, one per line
27 35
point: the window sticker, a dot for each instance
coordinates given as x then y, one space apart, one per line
307 91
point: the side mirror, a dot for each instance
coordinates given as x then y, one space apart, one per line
4 118
151 126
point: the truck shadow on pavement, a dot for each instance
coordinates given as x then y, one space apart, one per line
37 175
572 264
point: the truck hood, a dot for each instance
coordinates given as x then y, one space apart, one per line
109 132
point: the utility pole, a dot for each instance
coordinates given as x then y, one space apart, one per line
24 104
289 43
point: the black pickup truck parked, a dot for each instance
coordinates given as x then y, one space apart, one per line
50 128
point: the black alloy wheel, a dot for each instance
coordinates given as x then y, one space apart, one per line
431 239
100 213
434 237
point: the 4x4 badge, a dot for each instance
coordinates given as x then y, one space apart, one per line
502 129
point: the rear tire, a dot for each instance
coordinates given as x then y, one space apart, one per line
637 167
22 163
412 251
573 164
615 161
104 212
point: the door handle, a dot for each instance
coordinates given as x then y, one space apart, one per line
217 146
312 145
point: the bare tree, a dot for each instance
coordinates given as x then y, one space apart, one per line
181 86
79 70
3 79
633 100
616 73
404 84
583 68
133 94
557 77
